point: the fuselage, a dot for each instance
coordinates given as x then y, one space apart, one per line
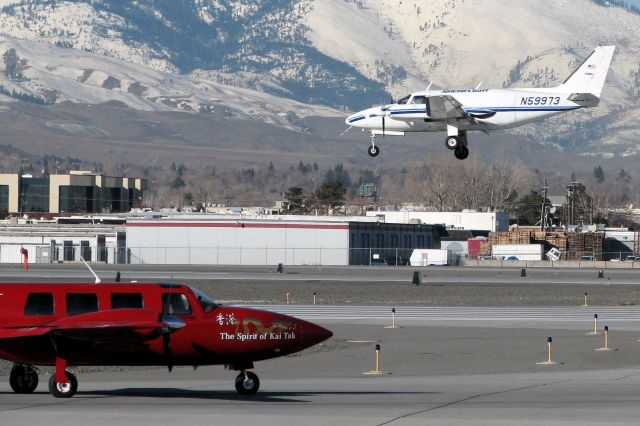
124 324
491 109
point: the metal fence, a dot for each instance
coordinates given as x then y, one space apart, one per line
268 256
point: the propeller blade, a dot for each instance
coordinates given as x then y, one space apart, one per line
383 126
345 132
166 345
170 324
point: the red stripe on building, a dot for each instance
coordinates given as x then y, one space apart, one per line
236 225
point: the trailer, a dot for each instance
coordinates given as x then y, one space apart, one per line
517 251
430 257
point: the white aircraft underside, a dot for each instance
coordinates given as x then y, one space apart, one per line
459 111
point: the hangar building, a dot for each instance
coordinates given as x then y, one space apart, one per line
290 240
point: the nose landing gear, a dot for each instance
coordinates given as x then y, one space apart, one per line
373 149
247 383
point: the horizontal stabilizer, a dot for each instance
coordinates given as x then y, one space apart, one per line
586 100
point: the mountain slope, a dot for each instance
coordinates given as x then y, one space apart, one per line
269 59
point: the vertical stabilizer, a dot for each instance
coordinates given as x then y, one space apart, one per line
590 76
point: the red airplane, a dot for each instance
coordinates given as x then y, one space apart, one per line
133 325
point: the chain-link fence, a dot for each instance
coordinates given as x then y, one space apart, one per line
269 256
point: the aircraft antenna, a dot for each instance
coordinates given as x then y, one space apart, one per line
479 85
429 86
98 280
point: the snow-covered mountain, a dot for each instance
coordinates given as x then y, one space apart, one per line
47 73
270 59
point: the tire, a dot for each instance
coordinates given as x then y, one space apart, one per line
452 142
373 151
63 390
23 379
462 153
249 387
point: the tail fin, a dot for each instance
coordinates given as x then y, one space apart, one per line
590 76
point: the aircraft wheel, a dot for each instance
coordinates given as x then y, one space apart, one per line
63 390
373 151
452 142
461 153
23 379
248 385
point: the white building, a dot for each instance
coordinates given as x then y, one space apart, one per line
290 240
468 220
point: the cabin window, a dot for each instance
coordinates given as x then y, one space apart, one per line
81 303
175 304
126 301
39 304
404 100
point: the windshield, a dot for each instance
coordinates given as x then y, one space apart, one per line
205 302
419 100
404 100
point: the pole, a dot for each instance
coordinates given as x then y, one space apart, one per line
377 370
314 297
549 350
585 299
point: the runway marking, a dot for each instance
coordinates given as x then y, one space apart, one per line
448 404
423 313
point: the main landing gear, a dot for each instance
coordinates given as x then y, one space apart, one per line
62 389
458 144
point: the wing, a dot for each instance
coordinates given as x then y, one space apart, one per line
448 108
439 108
116 327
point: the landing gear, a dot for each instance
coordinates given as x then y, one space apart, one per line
373 149
63 390
452 142
247 383
461 152
457 143
23 378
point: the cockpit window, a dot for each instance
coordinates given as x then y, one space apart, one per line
206 303
419 100
404 100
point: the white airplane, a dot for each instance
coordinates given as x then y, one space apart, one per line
459 111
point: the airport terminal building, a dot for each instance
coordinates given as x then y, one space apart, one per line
76 192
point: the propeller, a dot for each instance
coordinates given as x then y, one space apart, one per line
383 125
345 131
169 325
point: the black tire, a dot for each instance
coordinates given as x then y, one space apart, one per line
23 379
462 153
452 142
373 151
249 387
63 390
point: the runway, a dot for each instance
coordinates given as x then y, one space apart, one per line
423 313
463 353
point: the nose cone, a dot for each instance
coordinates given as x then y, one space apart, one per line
312 334
356 119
